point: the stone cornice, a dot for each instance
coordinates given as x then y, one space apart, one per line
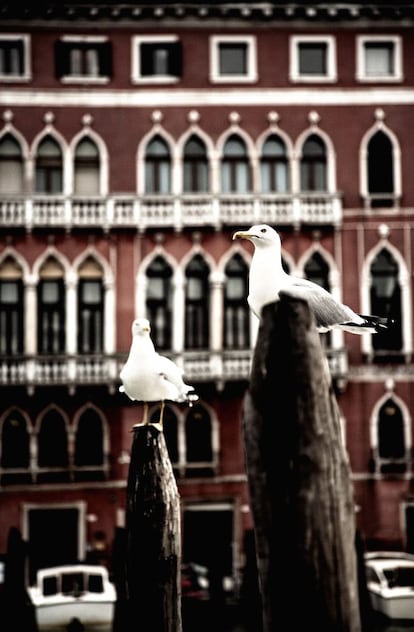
52 12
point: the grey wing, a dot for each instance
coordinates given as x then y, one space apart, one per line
327 310
170 370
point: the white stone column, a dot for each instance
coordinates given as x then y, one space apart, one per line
30 308
71 314
216 310
178 312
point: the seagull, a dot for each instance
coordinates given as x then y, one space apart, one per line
268 280
148 376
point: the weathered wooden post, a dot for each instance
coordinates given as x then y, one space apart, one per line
299 479
153 536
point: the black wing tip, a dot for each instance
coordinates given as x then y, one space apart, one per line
379 323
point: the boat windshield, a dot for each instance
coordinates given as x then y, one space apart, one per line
400 576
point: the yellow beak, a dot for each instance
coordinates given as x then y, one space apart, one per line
242 235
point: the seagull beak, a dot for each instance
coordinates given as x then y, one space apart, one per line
242 235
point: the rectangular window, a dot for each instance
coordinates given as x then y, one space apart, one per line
156 58
379 58
83 58
14 58
312 59
233 58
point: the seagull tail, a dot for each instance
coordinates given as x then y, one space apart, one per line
371 324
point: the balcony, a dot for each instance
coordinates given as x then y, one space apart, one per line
161 211
103 370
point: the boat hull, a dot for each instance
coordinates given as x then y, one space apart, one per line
59 615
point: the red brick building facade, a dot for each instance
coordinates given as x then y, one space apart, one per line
134 141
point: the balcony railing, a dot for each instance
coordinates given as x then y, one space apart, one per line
163 211
103 370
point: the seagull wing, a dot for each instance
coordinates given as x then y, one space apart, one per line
327 310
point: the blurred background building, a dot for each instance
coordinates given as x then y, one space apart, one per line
135 138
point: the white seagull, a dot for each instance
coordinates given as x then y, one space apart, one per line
148 376
267 280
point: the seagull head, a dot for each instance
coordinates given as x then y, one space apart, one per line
140 327
261 235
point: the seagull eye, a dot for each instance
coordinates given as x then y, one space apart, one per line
263 230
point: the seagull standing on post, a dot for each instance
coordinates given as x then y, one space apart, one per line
148 376
268 280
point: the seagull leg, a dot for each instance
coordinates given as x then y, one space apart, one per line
145 417
162 413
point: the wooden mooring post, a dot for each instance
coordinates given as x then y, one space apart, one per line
153 548
299 479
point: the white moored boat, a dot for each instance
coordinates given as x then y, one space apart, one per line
390 583
74 593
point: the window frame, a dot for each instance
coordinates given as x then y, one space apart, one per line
26 74
136 69
84 41
361 74
251 74
331 64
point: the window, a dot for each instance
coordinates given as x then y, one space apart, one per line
90 308
380 167
312 59
235 167
159 299
196 178
233 59
236 310
379 58
11 308
274 166
51 315
391 439
89 442
313 165
15 451
14 57
197 326
81 58
385 295
87 168
49 174
11 166
157 59
198 441
157 167
52 450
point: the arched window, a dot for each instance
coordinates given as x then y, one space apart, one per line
197 326
49 172
236 310
11 308
14 442
87 168
392 451
380 170
198 440
89 446
11 166
159 302
385 292
157 167
52 450
274 166
196 178
313 176
51 308
235 168
90 307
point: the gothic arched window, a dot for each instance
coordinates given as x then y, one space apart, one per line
11 166
196 178
385 293
313 165
86 168
235 168
157 167
274 166
159 302
236 310
197 304
49 167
